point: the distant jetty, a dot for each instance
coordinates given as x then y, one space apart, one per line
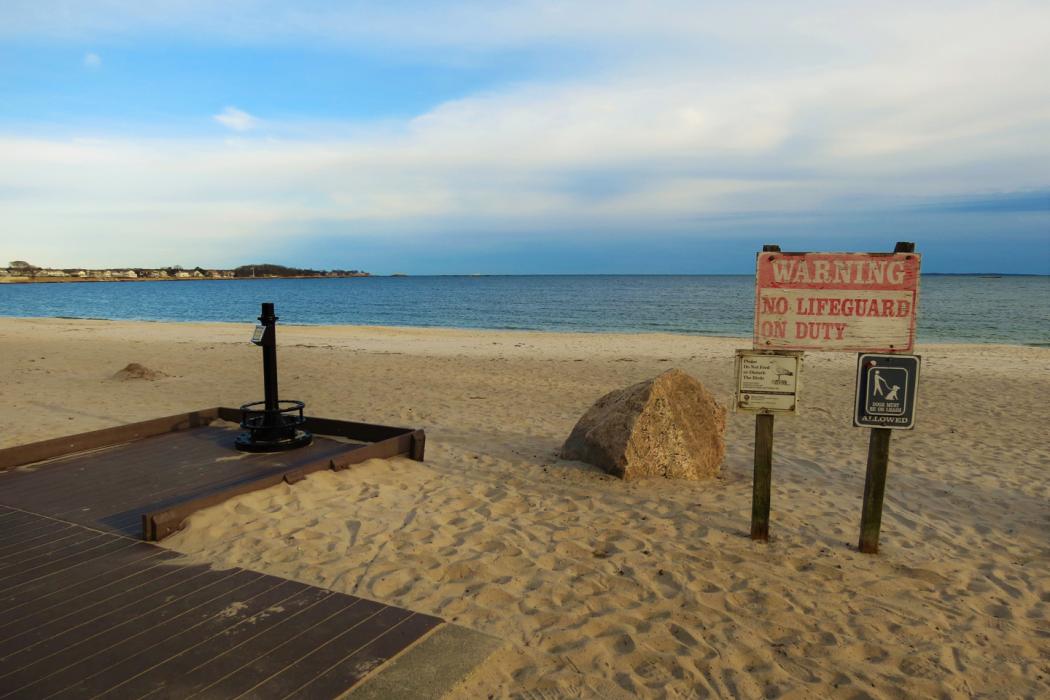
21 271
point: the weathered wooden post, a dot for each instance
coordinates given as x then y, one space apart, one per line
874 489
879 442
762 489
767 383
834 302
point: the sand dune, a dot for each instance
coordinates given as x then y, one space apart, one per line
603 588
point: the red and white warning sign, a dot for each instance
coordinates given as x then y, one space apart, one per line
855 302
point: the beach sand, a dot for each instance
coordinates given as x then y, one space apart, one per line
602 588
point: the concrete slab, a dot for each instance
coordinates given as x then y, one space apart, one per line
431 668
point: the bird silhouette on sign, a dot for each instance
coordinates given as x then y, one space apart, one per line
784 372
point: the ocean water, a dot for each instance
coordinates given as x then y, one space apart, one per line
1008 309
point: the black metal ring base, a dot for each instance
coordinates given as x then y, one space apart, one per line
246 442
273 430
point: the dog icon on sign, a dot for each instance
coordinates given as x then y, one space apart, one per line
884 390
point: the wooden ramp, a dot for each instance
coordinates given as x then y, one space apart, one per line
88 609
86 613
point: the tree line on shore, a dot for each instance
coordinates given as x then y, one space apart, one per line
23 269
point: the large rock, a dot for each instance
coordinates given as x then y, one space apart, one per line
668 426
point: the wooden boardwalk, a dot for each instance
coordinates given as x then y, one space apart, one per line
89 610
112 488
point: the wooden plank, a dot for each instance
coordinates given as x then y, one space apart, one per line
351 670
147 468
115 618
419 445
26 535
155 474
13 516
250 655
86 569
22 533
365 432
57 548
30 670
83 679
157 525
332 653
95 619
40 543
243 610
391 447
49 449
147 582
353 430
82 592
294 655
58 564
179 673
16 518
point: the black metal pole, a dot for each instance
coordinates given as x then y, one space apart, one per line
272 429
269 346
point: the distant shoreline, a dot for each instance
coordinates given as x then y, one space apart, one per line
72 280
69 280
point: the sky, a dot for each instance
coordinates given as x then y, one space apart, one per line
523 137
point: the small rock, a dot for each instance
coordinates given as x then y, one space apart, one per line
137 371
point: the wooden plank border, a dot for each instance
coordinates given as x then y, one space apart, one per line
376 442
159 524
54 448
20 455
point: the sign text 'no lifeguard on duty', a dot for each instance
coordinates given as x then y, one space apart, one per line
854 302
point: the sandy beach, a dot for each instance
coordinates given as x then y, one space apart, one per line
601 588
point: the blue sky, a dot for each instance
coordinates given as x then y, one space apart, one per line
656 137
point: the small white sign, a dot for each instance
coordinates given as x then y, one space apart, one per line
768 381
257 336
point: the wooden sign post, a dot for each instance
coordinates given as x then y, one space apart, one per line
874 490
887 386
761 492
767 383
846 302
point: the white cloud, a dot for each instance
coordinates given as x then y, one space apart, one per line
238 120
708 109
92 61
